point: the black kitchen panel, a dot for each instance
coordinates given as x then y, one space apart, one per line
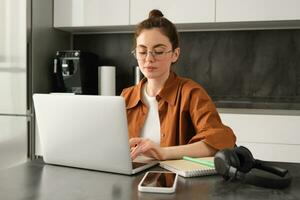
239 69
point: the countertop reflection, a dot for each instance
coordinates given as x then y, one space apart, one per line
35 180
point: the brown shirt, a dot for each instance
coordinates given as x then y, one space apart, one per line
186 114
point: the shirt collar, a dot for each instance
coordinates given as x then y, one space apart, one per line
168 92
136 94
170 89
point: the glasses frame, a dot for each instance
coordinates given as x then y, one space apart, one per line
152 54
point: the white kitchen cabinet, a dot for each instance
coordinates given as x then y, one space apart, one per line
88 13
13 94
15 118
269 137
177 11
257 10
120 15
13 141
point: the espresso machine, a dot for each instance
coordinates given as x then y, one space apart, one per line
76 72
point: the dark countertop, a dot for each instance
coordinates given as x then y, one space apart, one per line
36 180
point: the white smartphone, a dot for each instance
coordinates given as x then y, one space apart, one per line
158 182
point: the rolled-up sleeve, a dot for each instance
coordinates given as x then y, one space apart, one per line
207 122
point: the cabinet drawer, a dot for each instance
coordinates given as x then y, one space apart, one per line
273 152
280 129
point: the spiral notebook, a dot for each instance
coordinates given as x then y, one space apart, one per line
187 168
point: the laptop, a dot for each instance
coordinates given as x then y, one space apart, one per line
86 131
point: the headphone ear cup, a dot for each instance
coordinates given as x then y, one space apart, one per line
224 161
245 157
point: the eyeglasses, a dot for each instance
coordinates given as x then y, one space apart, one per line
157 55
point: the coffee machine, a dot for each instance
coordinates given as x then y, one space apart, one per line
76 72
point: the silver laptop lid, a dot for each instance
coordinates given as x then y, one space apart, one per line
84 131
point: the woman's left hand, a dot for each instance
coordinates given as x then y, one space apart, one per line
143 146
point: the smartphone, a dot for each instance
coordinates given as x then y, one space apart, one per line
158 182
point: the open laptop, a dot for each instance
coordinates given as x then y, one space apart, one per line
86 132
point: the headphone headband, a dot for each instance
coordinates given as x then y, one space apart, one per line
267 166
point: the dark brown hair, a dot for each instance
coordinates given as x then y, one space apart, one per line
157 20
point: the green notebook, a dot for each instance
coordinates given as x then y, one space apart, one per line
188 168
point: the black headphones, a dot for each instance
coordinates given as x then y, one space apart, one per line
237 163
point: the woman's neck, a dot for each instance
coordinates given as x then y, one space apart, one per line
154 86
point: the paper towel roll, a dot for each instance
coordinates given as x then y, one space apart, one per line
137 75
107 80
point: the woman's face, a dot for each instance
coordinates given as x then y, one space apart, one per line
157 64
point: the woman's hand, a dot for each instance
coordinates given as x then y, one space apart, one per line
143 146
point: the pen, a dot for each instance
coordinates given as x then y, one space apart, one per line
203 162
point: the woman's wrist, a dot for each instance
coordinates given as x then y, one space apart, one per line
165 153
168 153
197 149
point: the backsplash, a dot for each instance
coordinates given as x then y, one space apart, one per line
239 69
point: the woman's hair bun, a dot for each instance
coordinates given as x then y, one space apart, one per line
155 13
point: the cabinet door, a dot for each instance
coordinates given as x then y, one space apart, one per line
13 141
86 13
269 137
256 10
13 75
177 11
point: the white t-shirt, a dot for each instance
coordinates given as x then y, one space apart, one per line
151 129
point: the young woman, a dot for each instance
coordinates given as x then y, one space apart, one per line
169 116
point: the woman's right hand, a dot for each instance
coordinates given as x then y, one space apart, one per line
146 147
